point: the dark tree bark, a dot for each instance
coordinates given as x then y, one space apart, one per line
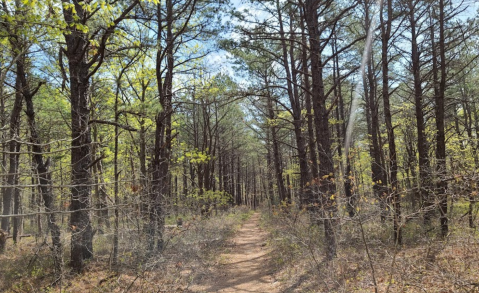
23 90
289 64
17 208
239 194
347 174
13 156
231 178
386 25
254 198
15 188
307 94
326 187
440 135
165 63
45 183
372 113
3 136
80 222
81 68
422 145
277 159
269 176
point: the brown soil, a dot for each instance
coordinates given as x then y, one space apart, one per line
245 267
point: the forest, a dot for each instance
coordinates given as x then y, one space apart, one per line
239 146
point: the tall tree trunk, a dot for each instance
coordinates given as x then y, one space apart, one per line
307 93
143 171
254 187
45 183
326 187
116 174
393 166
293 94
269 176
277 159
377 167
3 137
422 145
15 188
161 158
440 135
13 156
239 194
80 223
17 208
24 90
350 198
82 64
232 172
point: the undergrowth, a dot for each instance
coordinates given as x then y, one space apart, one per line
188 253
424 263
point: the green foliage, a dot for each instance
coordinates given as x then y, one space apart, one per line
194 156
204 199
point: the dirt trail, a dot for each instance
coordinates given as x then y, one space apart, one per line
245 267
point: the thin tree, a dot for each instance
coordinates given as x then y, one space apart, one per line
386 27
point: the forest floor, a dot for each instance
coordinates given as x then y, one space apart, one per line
244 265
274 251
229 252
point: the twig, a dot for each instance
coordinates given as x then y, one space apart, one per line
35 256
393 264
21 236
62 212
131 284
369 255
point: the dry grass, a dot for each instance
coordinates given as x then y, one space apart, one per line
423 263
189 253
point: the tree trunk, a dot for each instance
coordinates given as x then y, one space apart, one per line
45 188
239 194
161 158
80 223
15 188
44 175
372 113
293 94
422 145
13 156
307 94
79 65
277 160
269 176
326 187
393 166
440 135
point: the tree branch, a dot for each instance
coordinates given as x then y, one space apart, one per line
125 127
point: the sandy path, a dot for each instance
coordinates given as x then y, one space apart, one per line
246 267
